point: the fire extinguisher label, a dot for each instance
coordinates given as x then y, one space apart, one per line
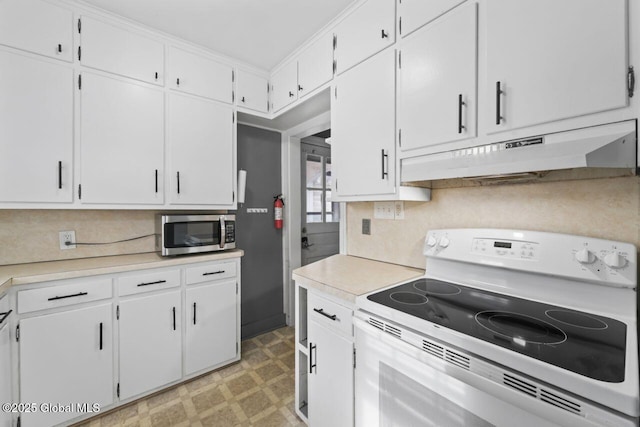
278 213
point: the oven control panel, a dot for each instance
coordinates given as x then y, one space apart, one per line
575 257
506 248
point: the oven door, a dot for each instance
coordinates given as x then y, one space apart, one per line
397 384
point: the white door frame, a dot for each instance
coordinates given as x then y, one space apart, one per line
291 186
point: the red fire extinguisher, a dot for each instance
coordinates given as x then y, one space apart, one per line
278 204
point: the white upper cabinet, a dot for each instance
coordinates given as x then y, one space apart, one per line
548 60
37 26
437 81
363 128
200 151
36 130
118 50
315 65
121 141
198 75
412 14
252 91
284 86
367 30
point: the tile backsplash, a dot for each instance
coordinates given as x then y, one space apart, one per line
32 235
601 208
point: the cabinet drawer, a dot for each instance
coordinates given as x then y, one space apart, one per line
63 295
330 313
209 272
148 281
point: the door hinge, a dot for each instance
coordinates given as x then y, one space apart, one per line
18 333
631 81
335 41
118 390
79 191
400 137
79 26
79 81
79 53
354 358
117 312
400 25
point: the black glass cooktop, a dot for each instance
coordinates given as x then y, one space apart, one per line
590 345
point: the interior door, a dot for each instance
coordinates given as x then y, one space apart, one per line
320 216
5 374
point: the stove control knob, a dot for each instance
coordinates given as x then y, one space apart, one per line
444 242
615 260
431 241
585 256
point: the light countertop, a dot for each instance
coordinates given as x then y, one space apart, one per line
21 274
347 277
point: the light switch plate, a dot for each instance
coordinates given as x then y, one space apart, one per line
383 210
399 210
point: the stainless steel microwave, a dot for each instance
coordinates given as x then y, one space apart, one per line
188 234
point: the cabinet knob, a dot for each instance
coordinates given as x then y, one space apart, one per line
59 48
384 34
178 81
299 88
242 99
290 94
156 75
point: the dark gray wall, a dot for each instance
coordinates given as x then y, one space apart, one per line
262 287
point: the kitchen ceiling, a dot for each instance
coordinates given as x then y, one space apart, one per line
259 32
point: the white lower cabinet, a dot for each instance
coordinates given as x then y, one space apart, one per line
81 344
330 377
150 342
5 365
66 358
324 359
211 337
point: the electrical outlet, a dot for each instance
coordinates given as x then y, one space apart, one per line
67 239
366 226
399 212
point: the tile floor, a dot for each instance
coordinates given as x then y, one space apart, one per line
257 391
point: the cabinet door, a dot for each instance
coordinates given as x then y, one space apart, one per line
331 378
36 130
150 343
201 76
212 325
437 99
37 26
5 375
545 62
367 30
253 91
121 141
284 86
415 13
68 348
201 151
120 51
363 128
315 65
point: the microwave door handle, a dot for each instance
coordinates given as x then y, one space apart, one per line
222 233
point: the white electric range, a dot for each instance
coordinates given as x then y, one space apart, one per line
506 328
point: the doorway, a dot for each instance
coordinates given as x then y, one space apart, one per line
320 217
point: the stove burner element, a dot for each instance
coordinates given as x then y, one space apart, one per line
520 327
409 298
579 320
435 287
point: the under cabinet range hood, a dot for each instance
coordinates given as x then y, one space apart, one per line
611 146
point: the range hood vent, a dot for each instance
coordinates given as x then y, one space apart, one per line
607 146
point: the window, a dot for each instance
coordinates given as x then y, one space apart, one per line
319 206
